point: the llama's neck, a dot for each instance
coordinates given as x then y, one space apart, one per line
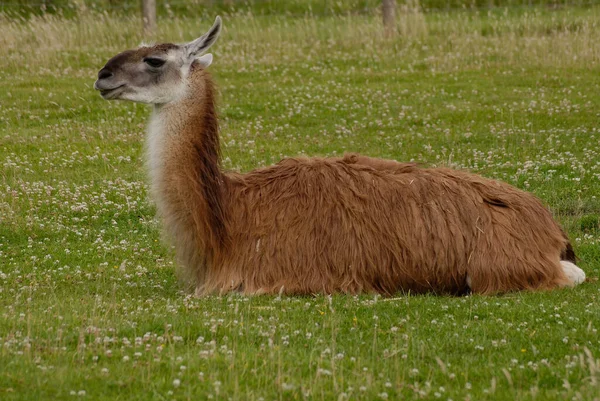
183 158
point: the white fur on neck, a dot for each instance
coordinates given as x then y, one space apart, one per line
155 140
156 144
163 140
159 130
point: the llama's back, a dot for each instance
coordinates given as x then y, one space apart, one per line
366 225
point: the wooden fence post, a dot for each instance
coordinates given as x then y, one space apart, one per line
389 17
149 16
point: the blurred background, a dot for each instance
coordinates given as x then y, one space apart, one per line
262 7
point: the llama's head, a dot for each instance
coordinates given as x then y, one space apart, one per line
155 74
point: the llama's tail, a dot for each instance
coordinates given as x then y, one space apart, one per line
574 274
567 261
568 254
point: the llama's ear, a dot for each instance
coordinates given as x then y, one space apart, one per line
205 60
200 45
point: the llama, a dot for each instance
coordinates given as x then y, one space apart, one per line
352 224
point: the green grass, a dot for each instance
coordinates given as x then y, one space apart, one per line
89 304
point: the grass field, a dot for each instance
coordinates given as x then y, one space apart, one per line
90 307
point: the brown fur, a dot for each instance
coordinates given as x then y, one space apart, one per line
353 224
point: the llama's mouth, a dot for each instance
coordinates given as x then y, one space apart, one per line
110 93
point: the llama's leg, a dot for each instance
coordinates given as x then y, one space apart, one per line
511 274
493 281
574 274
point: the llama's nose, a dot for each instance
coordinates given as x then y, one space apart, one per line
105 74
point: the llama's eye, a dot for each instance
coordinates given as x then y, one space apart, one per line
154 62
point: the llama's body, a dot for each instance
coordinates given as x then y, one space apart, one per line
352 224
355 225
